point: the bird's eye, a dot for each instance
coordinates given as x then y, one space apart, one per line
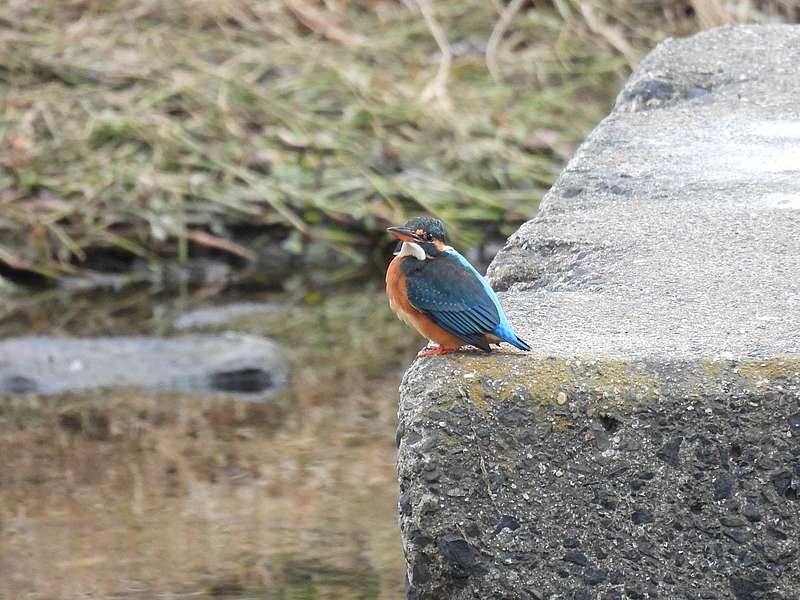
428 237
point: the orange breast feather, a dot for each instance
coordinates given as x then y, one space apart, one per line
398 301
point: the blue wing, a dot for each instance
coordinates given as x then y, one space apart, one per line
451 292
453 297
503 330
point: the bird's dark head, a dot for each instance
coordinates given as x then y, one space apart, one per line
421 237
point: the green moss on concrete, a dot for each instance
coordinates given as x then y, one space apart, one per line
604 383
760 374
711 369
555 381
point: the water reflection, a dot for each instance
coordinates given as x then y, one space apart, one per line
135 495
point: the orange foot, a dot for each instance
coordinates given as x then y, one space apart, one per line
437 351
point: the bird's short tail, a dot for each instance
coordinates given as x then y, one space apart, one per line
505 333
522 345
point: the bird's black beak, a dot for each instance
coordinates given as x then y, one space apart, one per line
404 234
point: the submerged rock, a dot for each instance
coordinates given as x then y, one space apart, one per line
216 316
229 364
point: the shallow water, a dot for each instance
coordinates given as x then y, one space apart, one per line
141 495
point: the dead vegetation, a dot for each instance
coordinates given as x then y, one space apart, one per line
156 130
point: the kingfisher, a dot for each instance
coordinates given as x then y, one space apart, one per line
439 293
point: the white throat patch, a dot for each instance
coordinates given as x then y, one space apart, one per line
412 249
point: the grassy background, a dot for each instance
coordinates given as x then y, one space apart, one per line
158 130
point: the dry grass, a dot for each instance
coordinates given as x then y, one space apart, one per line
160 129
